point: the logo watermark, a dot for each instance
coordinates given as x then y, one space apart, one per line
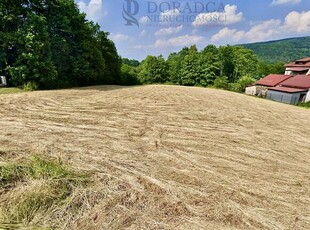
193 13
131 9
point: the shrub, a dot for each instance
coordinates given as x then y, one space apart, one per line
305 104
221 83
241 84
244 82
30 86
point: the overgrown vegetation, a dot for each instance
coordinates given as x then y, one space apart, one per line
50 44
305 105
34 187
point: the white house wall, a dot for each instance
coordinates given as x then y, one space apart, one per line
250 90
308 96
288 72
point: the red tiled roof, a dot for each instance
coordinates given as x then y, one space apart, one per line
298 69
272 80
293 64
307 59
305 62
287 89
299 81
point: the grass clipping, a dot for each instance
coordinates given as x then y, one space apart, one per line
30 189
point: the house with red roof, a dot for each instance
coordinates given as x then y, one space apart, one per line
261 86
292 91
292 87
299 67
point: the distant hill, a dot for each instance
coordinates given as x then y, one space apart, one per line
285 50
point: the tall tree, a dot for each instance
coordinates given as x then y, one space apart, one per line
50 43
153 70
190 69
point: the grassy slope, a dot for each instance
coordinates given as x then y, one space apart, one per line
162 157
10 90
282 50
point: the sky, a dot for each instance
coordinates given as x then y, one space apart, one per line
159 27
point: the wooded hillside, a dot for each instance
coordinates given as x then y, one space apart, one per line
286 50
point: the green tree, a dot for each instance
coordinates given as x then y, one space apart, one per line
129 75
130 62
50 43
190 70
242 83
153 70
221 83
210 65
265 68
174 63
237 61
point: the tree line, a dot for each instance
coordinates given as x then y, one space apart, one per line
50 44
47 44
226 67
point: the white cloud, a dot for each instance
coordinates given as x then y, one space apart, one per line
143 33
232 34
227 17
170 13
263 31
119 37
285 2
295 23
169 31
185 40
94 9
143 20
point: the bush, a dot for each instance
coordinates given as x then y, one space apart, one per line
129 75
30 86
235 87
305 104
245 81
221 83
241 84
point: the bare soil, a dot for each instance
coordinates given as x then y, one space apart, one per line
168 157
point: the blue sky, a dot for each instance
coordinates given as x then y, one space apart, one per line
181 24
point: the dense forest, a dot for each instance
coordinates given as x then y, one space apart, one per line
226 67
286 50
49 44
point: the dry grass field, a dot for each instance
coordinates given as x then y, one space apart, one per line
157 157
